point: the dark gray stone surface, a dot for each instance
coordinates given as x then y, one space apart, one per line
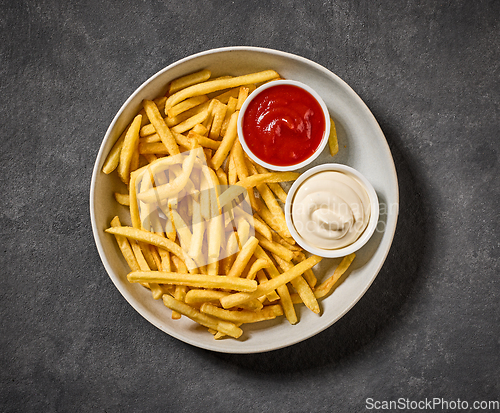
429 326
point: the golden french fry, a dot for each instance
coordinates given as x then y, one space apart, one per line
214 85
271 177
271 220
134 208
227 95
165 260
244 274
222 176
156 290
160 127
231 108
193 280
156 255
239 159
184 116
147 130
113 158
225 327
215 231
278 191
154 239
189 80
184 140
198 231
285 242
152 144
207 123
130 144
197 297
281 280
213 268
143 183
160 103
275 187
237 155
243 257
179 265
150 157
190 122
242 96
260 226
232 246
186 105
227 142
182 230
205 197
275 248
309 274
136 161
243 316
219 113
333 142
326 286
301 286
122 199
179 293
232 174
153 148
282 290
125 247
300 256
146 256
243 231
258 265
230 194
200 129
273 295
167 190
274 208
203 140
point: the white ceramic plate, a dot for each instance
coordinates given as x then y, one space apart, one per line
362 146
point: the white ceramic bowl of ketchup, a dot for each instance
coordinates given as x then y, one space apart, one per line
313 152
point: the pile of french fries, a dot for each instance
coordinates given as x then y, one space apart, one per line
268 274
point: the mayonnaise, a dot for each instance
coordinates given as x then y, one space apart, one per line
330 210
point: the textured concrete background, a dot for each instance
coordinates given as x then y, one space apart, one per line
428 327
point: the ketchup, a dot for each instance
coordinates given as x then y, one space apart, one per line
283 125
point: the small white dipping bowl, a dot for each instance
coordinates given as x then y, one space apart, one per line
258 91
364 237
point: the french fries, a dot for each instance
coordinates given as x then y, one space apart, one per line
281 280
333 144
193 280
208 233
215 85
129 147
161 127
188 80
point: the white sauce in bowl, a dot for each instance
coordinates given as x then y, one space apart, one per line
331 210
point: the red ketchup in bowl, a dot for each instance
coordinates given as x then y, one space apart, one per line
283 125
